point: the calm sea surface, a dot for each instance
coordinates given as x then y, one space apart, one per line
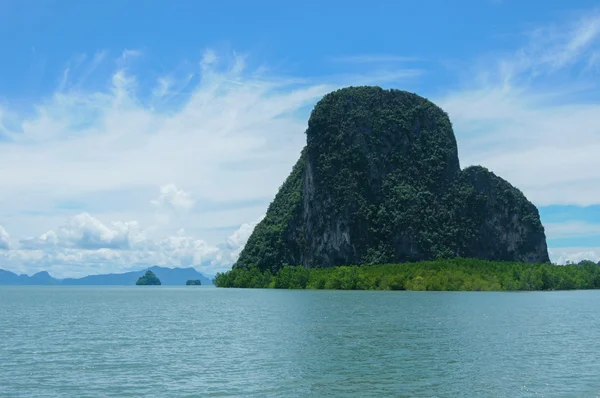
190 341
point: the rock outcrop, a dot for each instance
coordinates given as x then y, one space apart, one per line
379 181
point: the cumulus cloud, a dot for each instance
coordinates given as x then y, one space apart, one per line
85 245
236 241
241 235
86 232
185 251
4 239
171 196
574 254
46 240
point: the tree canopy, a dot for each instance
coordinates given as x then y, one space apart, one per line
452 275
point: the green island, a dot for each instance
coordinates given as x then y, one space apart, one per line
193 282
148 279
456 274
378 200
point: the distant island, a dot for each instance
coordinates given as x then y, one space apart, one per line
167 276
148 279
195 282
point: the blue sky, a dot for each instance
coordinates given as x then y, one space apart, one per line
155 132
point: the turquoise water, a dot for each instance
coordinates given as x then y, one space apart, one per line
189 341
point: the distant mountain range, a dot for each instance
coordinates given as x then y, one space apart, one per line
167 276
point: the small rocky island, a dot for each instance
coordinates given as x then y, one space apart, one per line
194 282
148 279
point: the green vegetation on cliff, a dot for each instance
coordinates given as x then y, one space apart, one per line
272 242
451 275
194 282
379 181
148 279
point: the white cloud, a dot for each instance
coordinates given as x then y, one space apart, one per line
184 251
46 240
225 132
237 240
549 50
170 87
85 245
547 150
236 136
574 254
241 235
164 86
584 34
173 197
517 121
77 72
127 55
209 57
86 232
4 239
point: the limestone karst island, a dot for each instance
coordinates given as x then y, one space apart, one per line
378 200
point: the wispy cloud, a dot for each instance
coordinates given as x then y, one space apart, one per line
78 71
64 80
127 55
518 120
170 86
96 61
548 51
209 57
232 136
4 239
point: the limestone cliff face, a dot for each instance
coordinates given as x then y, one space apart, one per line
379 181
503 224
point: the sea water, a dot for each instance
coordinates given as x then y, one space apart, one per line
203 341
